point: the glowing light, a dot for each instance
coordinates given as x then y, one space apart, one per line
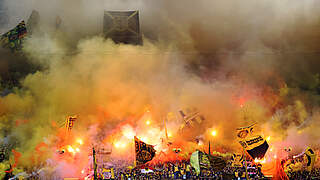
268 138
82 171
262 161
79 141
213 133
77 149
169 134
148 122
119 145
275 156
129 134
145 139
70 149
200 143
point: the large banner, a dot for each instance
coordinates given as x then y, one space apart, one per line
254 144
13 38
144 152
122 26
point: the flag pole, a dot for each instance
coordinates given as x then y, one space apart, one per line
245 161
95 176
209 150
134 152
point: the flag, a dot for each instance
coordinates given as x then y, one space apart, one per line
199 160
311 158
122 26
13 38
190 117
107 173
144 152
255 144
237 160
70 122
194 161
217 163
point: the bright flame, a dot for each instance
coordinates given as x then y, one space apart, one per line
70 149
79 141
214 133
169 134
148 122
77 149
82 171
119 145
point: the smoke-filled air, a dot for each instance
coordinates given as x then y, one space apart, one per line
230 64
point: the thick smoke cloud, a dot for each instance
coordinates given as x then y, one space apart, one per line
237 62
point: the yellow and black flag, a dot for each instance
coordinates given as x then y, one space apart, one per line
311 158
13 38
253 143
237 159
144 152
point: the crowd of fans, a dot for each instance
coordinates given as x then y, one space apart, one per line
183 170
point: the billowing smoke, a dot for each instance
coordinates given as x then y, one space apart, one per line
236 62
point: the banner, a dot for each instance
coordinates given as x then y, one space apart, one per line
122 26
255 145
144 152
13 38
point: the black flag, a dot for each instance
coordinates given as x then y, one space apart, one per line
144 152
